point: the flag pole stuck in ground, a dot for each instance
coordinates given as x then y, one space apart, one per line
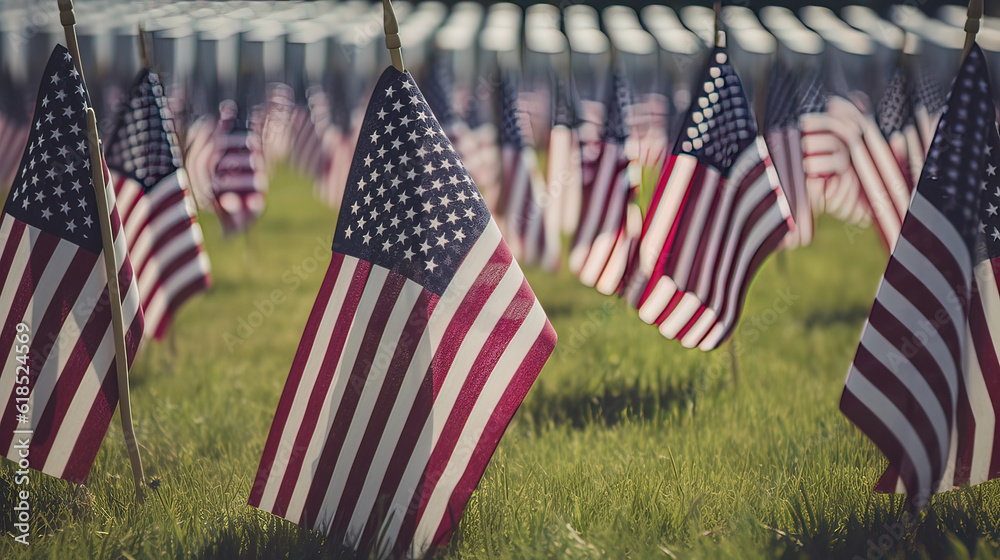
68 20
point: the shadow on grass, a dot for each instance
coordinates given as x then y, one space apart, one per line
958 525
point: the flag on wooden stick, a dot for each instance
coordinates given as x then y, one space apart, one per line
925 382
423 341
59 399
717 213
150 183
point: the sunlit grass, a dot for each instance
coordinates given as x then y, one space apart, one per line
628 446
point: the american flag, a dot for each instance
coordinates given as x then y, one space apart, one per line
717 213
564 167
200 159
307 155
423 341
52 279
898 123
925 383
604 240
846 144
792 94
523 193
164 240
240 180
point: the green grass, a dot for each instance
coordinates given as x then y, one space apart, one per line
628 446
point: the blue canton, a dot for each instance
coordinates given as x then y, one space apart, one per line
410 205
956 162
719 125
144 145
54 189
989 201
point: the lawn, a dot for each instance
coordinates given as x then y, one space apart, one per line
628 446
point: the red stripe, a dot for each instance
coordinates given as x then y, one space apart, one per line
682 228
982 338
497 342
168 270
388 295
518 388
931 247
295 378
196 286
472 304
671 305
324 378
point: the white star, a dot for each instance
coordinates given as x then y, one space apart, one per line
368 199
389 128
996 234
25 203
436 185
430 265
408 254
411 174
407 85
991 169
63 152
396 107
71 226
374 136
422 116
452 217
428 206
414 136
462 197
74 129
348 232
404 159
403 197
401 238
459 236
380 229
64 208
46 213
367 238
446 164
58 190
60 95
381 152
39 196
368 160
424 247
442 240
380 190
44 157
49 117
76 186
375 175
381 114
435 223
429 168
469 213
991 210
385 245
396 144
997 193
55 78
389 166
83 203
68 112
71 167
87 221
414 100
410 214
389 92
421 152
45 101
51 173
361 222
418 229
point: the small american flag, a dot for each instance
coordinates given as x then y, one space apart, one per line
717 213
200 159
52 279
564 167
898 123
240 180
164 240
604 240
925 383
523 193
423 341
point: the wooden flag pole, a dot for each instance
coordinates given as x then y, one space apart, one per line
973 16
392 41
68 19
144 48
720 34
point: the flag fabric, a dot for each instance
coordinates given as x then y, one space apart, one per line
925 382
523 192
14 123
307 154
564 164
610 220
423 341
53 281
869 183
716 214
240 180
200 158
792 94
898 123
164 240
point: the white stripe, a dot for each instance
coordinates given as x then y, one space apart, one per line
658 299
155 308
164 257
307 382
685 310
591 223
696 229
666 212
428 346
143 245
983 408
481 413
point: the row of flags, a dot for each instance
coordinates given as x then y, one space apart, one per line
425 336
